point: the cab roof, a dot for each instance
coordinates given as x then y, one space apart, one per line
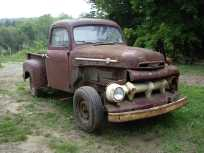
80 22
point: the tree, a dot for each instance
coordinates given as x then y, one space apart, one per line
9 39
17 34
176 24
118 10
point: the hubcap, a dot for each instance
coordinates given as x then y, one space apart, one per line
83 111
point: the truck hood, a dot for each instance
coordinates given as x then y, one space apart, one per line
116 56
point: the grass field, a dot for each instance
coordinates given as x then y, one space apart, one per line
180 131
192 69
50 118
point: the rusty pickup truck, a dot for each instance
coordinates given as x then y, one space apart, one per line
110 80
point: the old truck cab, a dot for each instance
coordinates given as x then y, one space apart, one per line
110 81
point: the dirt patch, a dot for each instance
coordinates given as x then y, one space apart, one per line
12 103
192 80
34 144
9 105
145 143
9 75
10 69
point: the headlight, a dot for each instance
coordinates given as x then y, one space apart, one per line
115 93
119 94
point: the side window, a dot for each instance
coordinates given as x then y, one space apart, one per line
59 38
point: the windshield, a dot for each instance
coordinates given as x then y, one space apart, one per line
97 34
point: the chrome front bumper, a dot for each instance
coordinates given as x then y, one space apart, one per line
146 113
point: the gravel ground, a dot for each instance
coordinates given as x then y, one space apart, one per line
192 80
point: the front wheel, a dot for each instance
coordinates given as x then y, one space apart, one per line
88 109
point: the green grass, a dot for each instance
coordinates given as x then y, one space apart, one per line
180 131
177 132
192 69
13 129
60 146
48 107
186 130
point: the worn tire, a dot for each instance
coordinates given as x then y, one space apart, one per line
33 90
94 118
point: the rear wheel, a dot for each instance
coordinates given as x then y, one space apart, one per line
33 90
88 109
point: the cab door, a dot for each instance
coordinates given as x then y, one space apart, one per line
57 62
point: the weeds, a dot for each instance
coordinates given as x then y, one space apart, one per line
192 69
50 116
60 146
13 129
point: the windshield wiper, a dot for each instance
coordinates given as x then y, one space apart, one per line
97 43
85 42
105 43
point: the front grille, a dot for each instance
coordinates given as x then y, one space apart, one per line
143 75
152 65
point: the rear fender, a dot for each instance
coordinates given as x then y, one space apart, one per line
36 70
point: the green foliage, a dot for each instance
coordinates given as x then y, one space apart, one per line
20 56
176 24
9 38
118 10
20 34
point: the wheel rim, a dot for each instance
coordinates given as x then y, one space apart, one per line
83 111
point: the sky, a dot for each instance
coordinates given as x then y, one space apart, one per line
36 8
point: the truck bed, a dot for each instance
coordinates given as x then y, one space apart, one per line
37 56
